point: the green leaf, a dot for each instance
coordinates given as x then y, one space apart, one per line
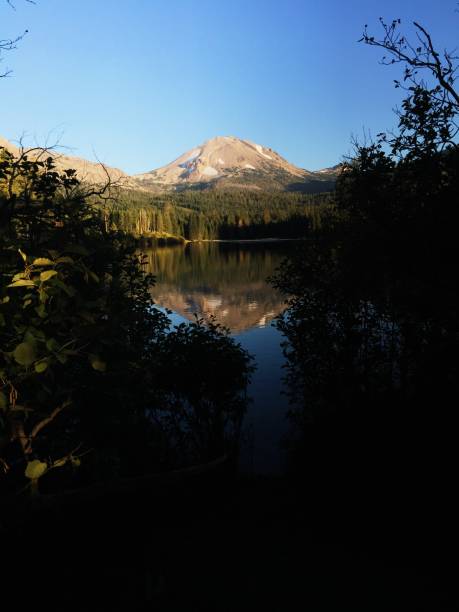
97 363
70 291
52 345
41 311
45 276
39 334
41 366
43 261
29 336
18 276
35 469
24 353
3 401
26 303
5 300
23 255
22 283
76 462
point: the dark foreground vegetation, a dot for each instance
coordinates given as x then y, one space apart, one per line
94 382
372 326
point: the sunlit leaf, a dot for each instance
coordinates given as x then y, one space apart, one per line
43 261
22 283
18 276
35 469
45 276
97 363
41 366
22 254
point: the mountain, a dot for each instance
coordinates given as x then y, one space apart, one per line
229 162
224 162
87 171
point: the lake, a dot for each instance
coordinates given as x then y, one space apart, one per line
229 281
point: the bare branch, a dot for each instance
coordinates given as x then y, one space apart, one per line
41 424
10 44
420 57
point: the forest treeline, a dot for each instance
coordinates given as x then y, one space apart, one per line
218 215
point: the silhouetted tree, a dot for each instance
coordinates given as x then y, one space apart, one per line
373 321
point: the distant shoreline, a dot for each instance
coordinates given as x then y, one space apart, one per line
172 240
238 240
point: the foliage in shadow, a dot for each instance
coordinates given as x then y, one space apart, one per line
372 324
87 363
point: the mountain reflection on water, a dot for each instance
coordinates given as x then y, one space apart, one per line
229 281
224 280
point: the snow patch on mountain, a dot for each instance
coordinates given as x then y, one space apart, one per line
209 171
259 148
228 161
193 155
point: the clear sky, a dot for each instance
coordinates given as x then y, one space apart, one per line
138 82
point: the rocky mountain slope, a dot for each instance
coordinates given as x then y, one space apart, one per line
87 171
224 162
230 162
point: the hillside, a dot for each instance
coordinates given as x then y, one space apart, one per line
227 162
87 171
224 163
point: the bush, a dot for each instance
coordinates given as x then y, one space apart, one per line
85 357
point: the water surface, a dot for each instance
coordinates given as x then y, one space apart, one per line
229 282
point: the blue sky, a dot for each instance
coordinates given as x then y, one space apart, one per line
139 82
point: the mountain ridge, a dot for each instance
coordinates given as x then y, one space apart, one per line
222 162
232 162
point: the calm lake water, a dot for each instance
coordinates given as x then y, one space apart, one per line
229 282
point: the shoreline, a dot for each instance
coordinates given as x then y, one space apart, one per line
171 241
239 240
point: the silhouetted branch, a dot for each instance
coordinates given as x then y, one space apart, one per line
8 44
420 57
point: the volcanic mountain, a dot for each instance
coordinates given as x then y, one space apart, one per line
229 162
224 162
